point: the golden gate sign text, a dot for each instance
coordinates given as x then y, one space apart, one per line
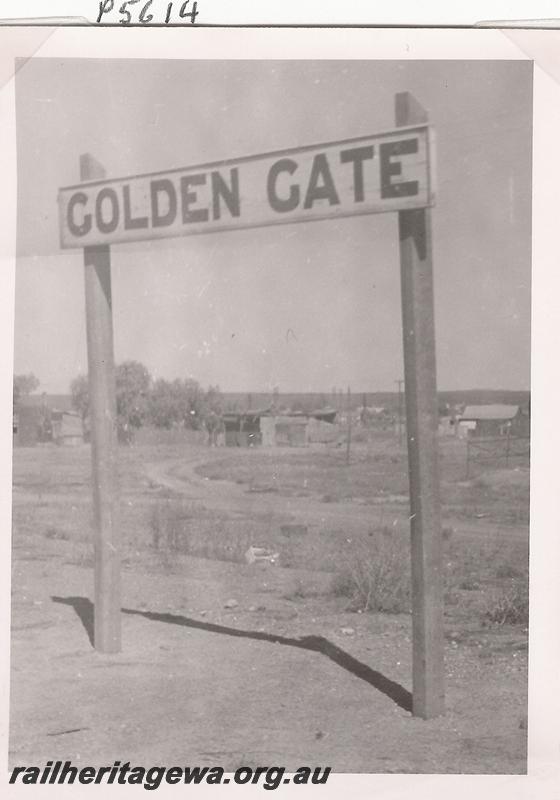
372 174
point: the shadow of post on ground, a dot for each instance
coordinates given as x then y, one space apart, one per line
317 644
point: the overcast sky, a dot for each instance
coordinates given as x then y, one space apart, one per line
304 307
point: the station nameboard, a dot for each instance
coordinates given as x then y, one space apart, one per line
367 175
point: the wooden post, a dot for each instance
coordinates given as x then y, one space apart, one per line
400 420
421 423
103 415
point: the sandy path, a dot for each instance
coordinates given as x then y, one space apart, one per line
235 498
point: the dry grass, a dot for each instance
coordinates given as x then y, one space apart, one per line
319 472
184 527
377 471
375 573
484 579
508 605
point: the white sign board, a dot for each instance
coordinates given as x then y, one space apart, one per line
368 175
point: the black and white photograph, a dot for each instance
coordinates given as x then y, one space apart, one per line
271 416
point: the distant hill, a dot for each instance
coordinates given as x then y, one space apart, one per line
486 397
311 400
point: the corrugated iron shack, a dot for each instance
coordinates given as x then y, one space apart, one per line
40 419
67 428
243 429
493 420
284 431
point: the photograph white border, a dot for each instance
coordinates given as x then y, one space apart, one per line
544 48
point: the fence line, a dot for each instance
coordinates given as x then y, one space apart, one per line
501 450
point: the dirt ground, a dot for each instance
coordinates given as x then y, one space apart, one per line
235 664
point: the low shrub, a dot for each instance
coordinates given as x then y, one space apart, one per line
505 571
374 573
508 606
469 585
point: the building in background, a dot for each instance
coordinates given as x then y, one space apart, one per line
42 419
242 429
493 420
279 429
284 431
67 428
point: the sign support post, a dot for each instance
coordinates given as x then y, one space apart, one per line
421 426
99 324
400 383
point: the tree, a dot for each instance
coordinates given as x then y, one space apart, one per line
133 384
213 401
212 414
24 385
79 389
195 395
177 403
169 404
132 387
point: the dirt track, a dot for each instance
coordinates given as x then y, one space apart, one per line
233 497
